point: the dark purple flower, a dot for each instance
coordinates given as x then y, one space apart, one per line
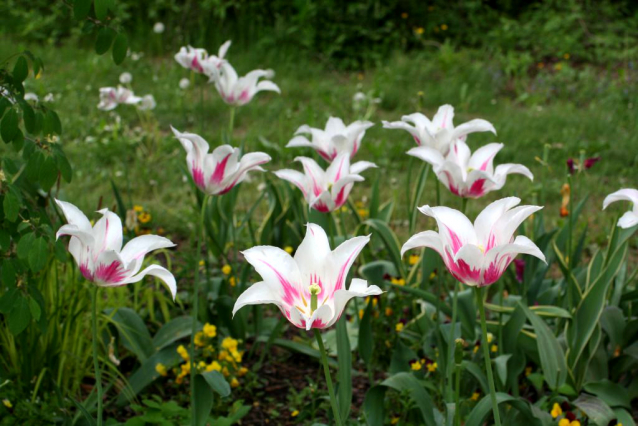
571 166
520 269
589 163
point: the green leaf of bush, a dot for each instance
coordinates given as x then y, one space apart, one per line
120 46
104 40
20 69
9 125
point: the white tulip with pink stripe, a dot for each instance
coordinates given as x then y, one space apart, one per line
98 251
309 288
238 91
440 133
334 139
199 61
469 175
477 254
218 172
630 218
326 191
111 97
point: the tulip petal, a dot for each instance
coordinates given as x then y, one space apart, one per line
343 257
626 194
466 265
499 258
315 173
502 170
259 293
472 126
485 221
361 166
509 222
483 158
427 154
358 288
312 253
299 141
278 269
455 228
444 117
321 318
628 220
78 223
138 247
223 49
427 239
107 232
296 178
159 272
268 86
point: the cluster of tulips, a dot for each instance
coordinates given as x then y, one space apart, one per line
310 287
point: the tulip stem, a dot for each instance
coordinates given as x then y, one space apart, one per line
200 236
486 354
231 124
451 339
96 364
326 370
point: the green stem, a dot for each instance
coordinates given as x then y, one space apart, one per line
200 236
231 124
450 364
457 396
326 370
201 110
96 364
486 355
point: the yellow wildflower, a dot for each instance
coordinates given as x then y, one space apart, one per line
232 281
494 348
419 30
201 365
490 337
397 281
226 269
242 371
234 382
201 262
416 365
181 350
229 343
444 27
558 66
577 423
388 312
399 327
404 15
138 208
475 396
7 403
563 422
566 56
214 366
476 348
210 330
432 367
199 339
294 413
225 372
144 217
556 410
161 369
395 420
528 371
360 313
413 259
288 249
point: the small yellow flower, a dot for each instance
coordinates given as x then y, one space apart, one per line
363 213
294 413
388 312
577 423
404 15
234 382
7 403
397 281
563 422
432 367
214 366
420 93
395 420
144 217
201 365
558 66
360 77
226 269
413 259
288 249
540 65
225 372
399 327
494 348
232 281
181 350
475 350
419 30
242 371
432 275
556 410
566 56
475 396
210 330
199 339
138 208
360 313
490 337
202 263
528 371
416 365
444 27
230 344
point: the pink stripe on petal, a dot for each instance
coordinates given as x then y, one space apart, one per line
495 270
339 171
321 207
455 240
198 177
477 189
195 65
220 169
341 198
86 272
290 292
485 164
112 273
317 323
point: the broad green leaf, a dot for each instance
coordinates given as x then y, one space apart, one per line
120 46
344 374
391 242
48 173
104 40
478 374
612 393
8 299
28 117
8 275
38 254
501 366
421 398
11 206
550 352
133 332
373 409
19 316
81 9
366 340
35 309
540 310
217 382
484 408
101 9
597 411
20 69
467 313
203 400
9 125
623 417
24 245
174 330
53 122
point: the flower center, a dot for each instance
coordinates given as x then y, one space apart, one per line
482 248
314 291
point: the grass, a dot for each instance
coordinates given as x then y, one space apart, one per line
565 110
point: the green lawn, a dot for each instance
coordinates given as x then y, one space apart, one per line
565 110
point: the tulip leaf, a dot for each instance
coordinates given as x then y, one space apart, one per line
373 406
120 46
478 374
407 382
81 9
623 417
551 353
425 295
540 310
366 341
133 332
344 374
418 191
9 125
20 69
104 40
217 382
611 393
595 409
484 408
203 400
174 330
391 242
501 366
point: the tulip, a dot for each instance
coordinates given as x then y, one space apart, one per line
309 288
199 61
326 191
469 175
630 218
218 172
478 254
334 139
238 91
98 251
111 97
439 133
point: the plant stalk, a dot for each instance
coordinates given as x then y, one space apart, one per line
326 370
96 364
486 354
